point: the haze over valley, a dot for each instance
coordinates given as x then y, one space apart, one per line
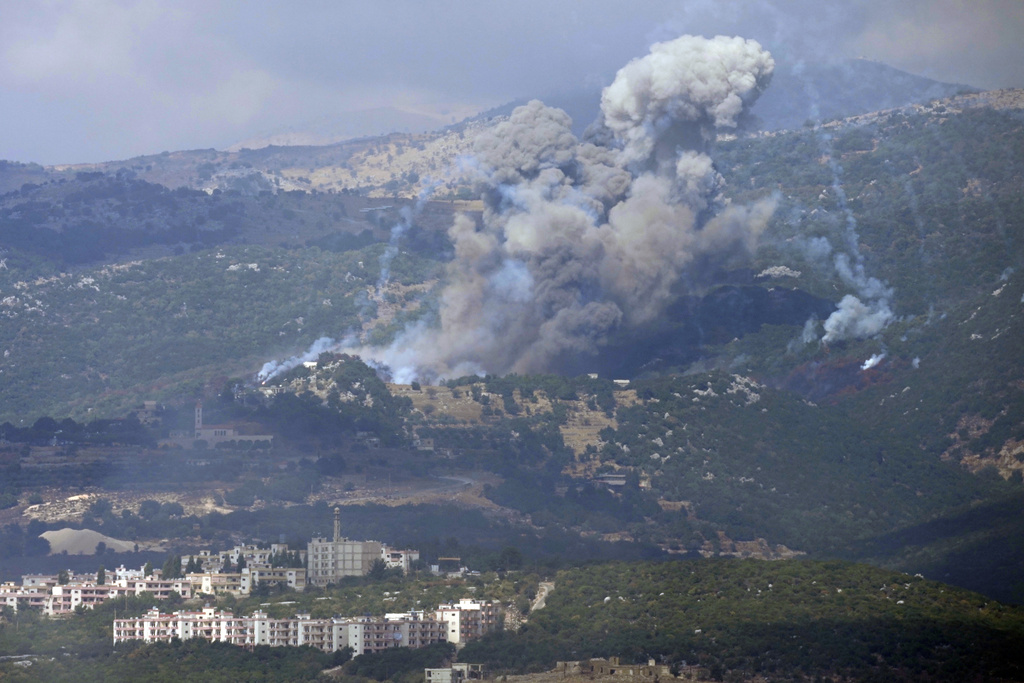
708 360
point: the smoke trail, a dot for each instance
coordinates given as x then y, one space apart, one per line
579 239
867 313
274 368
408 216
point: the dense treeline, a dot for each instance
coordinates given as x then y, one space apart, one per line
116 336
96 216
787 620
779 620
47 430
401 663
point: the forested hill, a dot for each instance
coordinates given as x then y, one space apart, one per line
95 218
931 193
882 445
777 621
719 619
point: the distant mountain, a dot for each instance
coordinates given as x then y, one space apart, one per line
819 92
347 125
797 93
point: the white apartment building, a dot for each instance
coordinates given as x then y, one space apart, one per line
55 599
294 578
468 619
362 634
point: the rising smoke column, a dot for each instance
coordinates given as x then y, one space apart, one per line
580 238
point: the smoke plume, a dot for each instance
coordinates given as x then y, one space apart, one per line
273 368
582 238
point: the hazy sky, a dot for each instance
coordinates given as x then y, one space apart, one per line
95 80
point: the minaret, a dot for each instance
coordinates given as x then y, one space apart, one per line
199 417
337 524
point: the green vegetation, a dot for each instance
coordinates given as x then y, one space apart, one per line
402 663
781 620
161 328
788 620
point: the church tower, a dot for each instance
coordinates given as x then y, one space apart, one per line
199 418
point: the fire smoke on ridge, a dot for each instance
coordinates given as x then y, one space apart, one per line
580 238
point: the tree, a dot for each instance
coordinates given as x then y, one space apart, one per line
62 577
172 567
101 548
510 558
149 509
147 570
101 507
378 570
101 576
174 509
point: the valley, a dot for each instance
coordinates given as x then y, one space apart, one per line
758 411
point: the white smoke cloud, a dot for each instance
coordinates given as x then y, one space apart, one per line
854 319
580 238
691 79
274 368
873 361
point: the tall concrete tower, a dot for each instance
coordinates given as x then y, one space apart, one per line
337 524
199 417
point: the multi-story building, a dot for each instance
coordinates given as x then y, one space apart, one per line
54 599
294 578
468 619
362 634
400 559
258 567
328 561
212 583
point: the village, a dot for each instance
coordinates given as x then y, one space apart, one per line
243 570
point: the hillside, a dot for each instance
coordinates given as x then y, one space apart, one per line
776 621
852 388
718 619
930 196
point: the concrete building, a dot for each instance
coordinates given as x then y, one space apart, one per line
456 673
55 599
362 634
468 619
211 583
258 567
399 559
212 434
328 561
292 577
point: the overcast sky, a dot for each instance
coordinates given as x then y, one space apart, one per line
96 80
